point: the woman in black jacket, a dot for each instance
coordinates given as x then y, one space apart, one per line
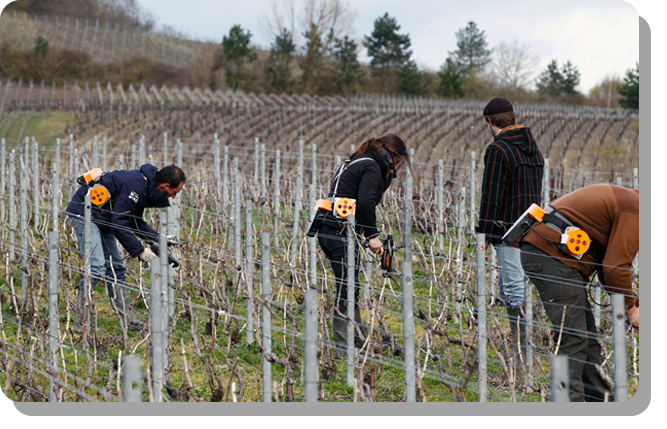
364 177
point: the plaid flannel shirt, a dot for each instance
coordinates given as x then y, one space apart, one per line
513 167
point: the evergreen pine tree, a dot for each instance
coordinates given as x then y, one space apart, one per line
451 79
388 49
549 81
390 56
349 72
471 52
629 89
278 67
409 78
556 82
570 79
236 51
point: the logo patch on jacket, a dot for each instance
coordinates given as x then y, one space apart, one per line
134 197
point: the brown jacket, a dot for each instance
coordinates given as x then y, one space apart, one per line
609 214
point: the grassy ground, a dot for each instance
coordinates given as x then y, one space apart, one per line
226 349
215 359
45 127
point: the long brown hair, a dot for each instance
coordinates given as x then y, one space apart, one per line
393 144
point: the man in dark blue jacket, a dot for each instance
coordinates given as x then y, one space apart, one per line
121 218
513 168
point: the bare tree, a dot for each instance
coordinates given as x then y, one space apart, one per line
329 18
605 93
323 21
319 22
513 66
137 15
283 17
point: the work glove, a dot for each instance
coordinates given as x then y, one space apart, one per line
172 240
147 254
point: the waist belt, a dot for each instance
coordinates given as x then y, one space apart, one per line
556 220
574 240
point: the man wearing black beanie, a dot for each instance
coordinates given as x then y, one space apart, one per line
513 167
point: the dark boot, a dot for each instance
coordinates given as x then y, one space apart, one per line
596 388
340 337
340 333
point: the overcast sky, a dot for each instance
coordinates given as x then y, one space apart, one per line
600 37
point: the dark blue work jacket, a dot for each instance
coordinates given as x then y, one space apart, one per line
131 191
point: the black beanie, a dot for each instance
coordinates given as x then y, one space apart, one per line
498 105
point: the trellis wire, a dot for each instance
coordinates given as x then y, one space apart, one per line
408 227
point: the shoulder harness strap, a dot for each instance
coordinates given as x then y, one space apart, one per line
342 168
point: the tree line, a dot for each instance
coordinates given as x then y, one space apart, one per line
312 52
327 63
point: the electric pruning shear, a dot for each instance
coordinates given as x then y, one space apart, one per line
155 248
387 257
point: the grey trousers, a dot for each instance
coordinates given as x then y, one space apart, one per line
106 265
562 290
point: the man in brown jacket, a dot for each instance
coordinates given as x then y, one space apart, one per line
609 214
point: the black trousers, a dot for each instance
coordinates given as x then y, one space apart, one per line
333 241
562 290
